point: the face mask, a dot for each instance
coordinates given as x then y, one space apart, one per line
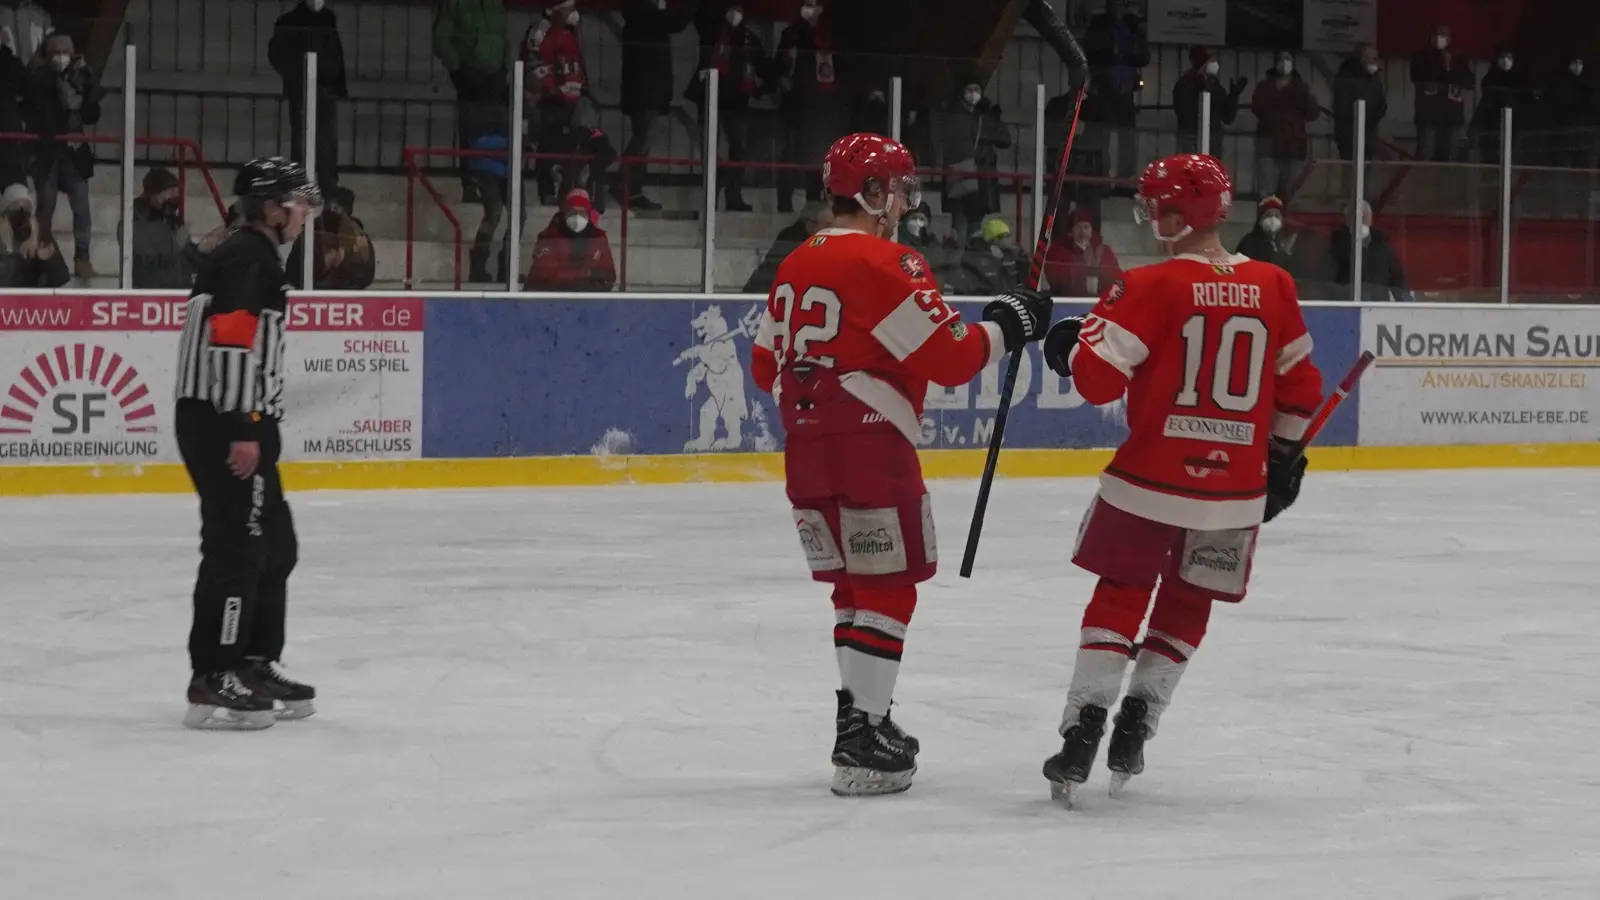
1365 233
59 62
577 222
1372 68
998 251
1213 67
1285 67
735 18
810 13
572 19
1505 63
1576 68
661 5
971 98
317 5
1272 224
1440 42
915 227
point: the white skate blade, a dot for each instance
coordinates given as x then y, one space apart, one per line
202 717
852 781
1119 780
296 709
1064 793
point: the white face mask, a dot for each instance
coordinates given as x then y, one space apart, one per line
1272 224
317 5
915 227
577 221
59 62
1505 63
1365 233
810 13
1372 68
1440 42
1285 66
971 98
735 18
572 19
1213 67
1576 68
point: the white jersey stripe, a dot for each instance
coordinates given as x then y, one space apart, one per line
1293 352
904 331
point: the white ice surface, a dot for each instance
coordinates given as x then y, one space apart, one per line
627 693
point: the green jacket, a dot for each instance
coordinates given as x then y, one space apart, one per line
472 36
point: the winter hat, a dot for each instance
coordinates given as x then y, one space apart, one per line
16 195
995 228
1080 215
564 6
158 179
578 198
1270 203
1198 56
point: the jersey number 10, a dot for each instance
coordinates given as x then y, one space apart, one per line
791 343
1235 329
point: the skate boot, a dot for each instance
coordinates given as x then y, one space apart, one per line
1125 756
1070 768
266 677
846 703
224 701
872 759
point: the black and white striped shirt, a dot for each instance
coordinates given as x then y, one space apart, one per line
231 350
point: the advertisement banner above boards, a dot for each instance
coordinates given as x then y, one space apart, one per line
635 376
88 378
1339 25
1481 375
1187 22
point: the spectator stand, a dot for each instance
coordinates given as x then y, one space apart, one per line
183 147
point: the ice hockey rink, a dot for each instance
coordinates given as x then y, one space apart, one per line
628 693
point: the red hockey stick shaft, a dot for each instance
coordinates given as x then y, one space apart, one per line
1347 385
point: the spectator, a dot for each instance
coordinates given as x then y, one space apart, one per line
311 27
29 258
732 48
916 232
492 177
197 252
812 110
1271 240
1357 79
1080 263
1202 79
572 255
972 136
345 261
816 216
647 80
991 263
557 84
1441 80
1382 278
13 86
470 38
63 97
161 257
1116 48
1574 113
1283 105
1504 87
870 113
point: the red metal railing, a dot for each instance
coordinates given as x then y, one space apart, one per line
181 145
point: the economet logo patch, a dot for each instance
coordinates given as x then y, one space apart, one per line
78 401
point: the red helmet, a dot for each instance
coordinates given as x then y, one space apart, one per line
1196 187
861 164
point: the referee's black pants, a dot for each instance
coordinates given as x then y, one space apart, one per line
247 544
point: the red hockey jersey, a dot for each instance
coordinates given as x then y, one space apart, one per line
1214 357
869 309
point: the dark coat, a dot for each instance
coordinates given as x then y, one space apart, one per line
1570 101
1116 52
1380 267
791 237
1503 90
1442 80
48 113
1186 104
798 60
18 271
160 249
298 32
1283 106
744 71
979 273
973 139
1350 84
647 80
1285 249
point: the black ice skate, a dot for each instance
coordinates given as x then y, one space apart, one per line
841 719
1070 768
872 759
1125 756
267 677
223 701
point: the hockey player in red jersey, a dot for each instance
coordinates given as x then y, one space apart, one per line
1212 352
854 330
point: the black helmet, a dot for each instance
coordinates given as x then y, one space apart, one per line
276 178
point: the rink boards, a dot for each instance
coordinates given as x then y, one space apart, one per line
493 389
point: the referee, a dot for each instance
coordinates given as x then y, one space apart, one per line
230 399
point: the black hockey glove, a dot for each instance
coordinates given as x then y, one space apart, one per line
1022 315
1285 469
1059 342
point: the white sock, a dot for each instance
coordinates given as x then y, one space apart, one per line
1097 675
1156 674
870 679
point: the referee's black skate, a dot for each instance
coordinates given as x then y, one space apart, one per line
1070 768
872 759
847 701
224 701
267 677
1125 756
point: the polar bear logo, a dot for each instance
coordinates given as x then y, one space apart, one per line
716 366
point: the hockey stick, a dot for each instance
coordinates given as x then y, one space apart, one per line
1331 405
1035 273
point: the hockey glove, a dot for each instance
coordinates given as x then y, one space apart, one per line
1059 342
1285 469
1022 315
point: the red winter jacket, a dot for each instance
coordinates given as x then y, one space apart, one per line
1069 269
568 261
557 59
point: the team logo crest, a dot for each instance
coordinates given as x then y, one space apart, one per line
914 266
1221 269
1114 293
